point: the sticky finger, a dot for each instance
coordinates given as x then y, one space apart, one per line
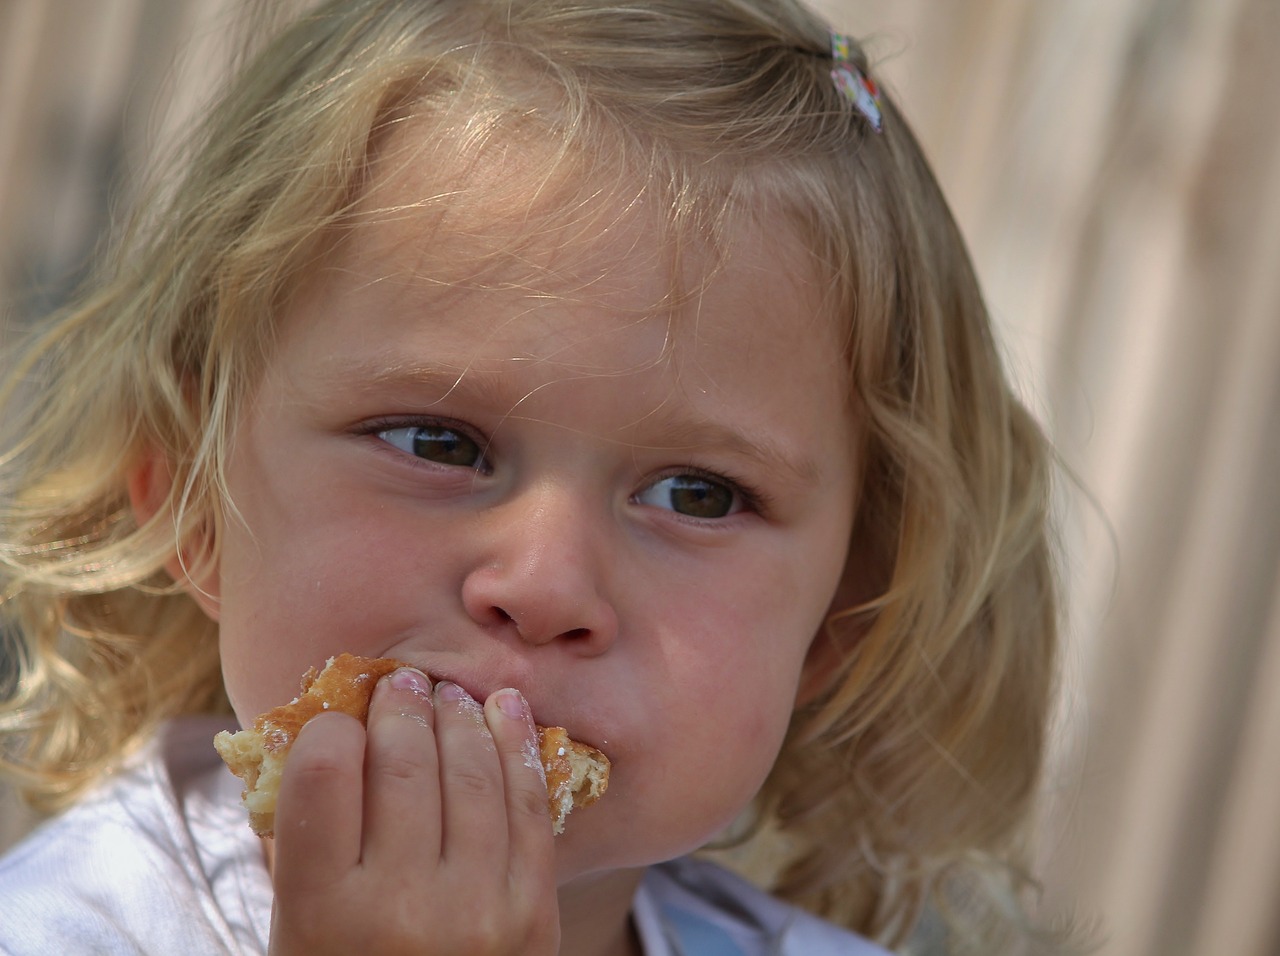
402 800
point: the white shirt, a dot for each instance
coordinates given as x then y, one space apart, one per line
159 860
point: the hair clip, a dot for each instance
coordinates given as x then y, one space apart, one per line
858 88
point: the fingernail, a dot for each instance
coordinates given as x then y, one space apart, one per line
512 704
447 690
411 680
468 706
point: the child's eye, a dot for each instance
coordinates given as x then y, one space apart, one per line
694 495
438 444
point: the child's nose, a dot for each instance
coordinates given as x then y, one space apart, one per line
541 576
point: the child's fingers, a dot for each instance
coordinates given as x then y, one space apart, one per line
457 843
318 813
402 824
516 740
474 810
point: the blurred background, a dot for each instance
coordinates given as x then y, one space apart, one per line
1115 165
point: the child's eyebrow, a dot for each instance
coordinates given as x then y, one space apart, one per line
361 375
681 434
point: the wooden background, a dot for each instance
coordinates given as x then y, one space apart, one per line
1116 167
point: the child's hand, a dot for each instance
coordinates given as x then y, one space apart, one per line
428 833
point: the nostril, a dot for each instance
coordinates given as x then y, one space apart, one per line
578 632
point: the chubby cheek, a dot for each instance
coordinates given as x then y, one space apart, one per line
294 593
712 740
265 649
691 786
742 720
744 670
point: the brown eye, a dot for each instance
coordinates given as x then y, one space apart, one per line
438 444
692 495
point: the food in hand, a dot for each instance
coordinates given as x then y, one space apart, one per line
577 775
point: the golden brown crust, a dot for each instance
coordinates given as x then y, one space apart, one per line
577 774
345 685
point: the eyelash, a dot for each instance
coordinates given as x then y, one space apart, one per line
376 425
753 499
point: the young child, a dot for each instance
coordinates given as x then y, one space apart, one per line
616 366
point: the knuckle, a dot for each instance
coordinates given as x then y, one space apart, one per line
529 803
300 928
540 928
470 781
316 768
488 937
397 765
544 934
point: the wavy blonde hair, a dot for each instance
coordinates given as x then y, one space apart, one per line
912 775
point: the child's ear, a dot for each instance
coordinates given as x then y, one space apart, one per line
149 484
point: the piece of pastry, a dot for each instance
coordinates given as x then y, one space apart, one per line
577 775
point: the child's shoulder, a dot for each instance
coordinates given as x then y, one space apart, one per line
127 868
695 906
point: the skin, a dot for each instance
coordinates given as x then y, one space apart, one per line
495 486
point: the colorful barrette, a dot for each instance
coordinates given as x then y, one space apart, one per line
858 88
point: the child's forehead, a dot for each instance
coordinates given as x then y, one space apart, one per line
482 231
518 208
510 214
518 229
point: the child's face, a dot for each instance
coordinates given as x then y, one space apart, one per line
637 518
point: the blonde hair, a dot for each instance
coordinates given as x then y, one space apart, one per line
913 774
